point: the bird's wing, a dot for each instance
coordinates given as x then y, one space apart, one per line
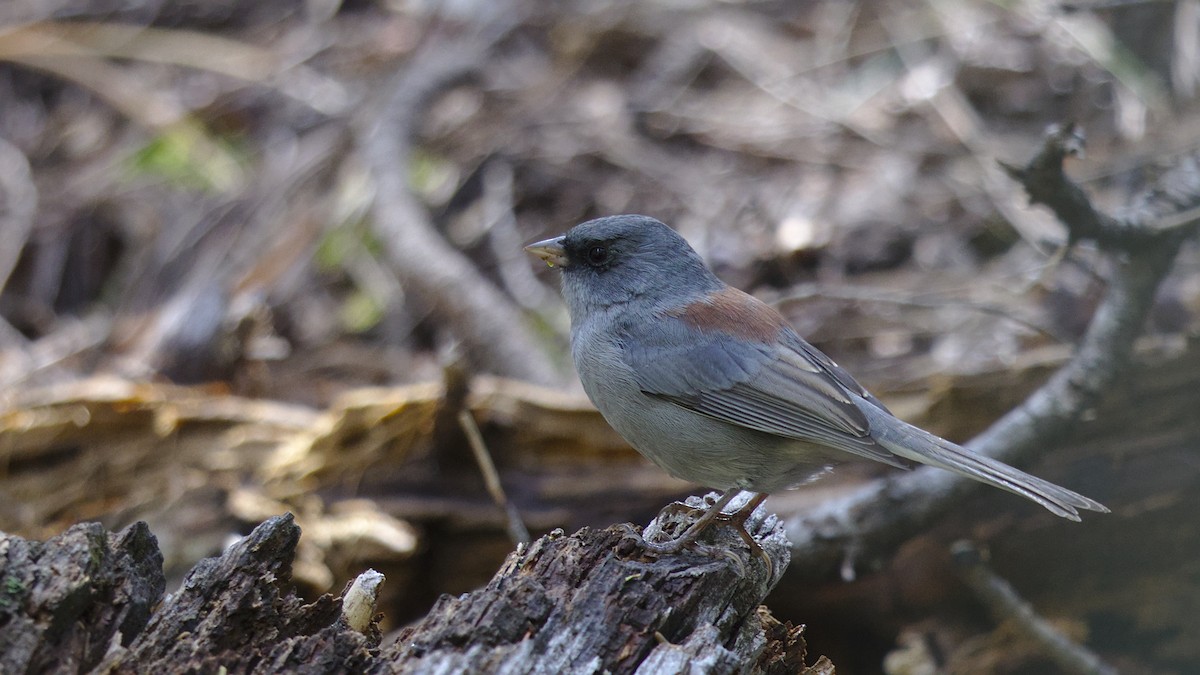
731 357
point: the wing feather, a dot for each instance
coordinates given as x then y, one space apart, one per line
783 387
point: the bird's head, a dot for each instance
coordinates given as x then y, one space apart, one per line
621 259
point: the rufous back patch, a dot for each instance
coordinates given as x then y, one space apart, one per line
732 312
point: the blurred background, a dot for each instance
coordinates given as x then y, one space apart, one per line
257 255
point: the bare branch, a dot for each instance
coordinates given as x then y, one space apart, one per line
18 205
489 325
1170 206
1006 604
874 519
491 478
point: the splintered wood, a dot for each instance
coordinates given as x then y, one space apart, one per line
200 465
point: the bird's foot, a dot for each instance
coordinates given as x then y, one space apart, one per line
679 511
688 539
668 547
738 521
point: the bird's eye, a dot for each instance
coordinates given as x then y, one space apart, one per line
597 255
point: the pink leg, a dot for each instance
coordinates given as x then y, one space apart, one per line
711 515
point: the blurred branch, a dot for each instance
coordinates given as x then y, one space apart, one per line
1171 205
94 40
19 363
156 110
190 309
82 53
128 94
1006 604
491 328
505 239
55 46
18 205
877 517
884 296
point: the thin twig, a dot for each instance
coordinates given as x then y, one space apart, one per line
70 338
954 110
516 528
876 295
1006 604
1177 220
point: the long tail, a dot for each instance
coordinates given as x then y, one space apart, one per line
921 446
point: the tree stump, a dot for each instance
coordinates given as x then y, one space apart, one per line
65 601
590 602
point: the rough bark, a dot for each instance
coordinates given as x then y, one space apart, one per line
64 601
589 603
585 603
237 613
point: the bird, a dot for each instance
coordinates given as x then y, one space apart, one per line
716 387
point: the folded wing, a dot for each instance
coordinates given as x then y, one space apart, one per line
777 384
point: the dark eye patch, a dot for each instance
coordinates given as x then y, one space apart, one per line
598 255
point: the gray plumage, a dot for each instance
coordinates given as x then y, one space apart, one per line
715 387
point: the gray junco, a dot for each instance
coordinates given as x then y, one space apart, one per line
714 386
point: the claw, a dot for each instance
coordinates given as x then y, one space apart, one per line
708 516
630 532
738 520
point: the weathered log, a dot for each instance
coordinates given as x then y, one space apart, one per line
64 601
584 603
237 613
589 603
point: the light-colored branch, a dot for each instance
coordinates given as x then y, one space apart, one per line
874 519
491 328
18 206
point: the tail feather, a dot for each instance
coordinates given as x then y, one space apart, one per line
921 446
